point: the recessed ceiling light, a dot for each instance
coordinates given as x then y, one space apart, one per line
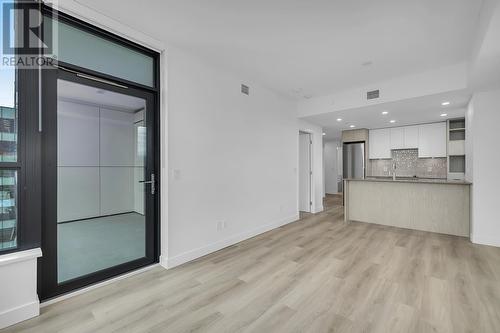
339 119
352 126
324 134
385 113
445 103
392 121
444 114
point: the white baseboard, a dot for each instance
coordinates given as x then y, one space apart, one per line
202 251
318 209
164 261
485 240
18 314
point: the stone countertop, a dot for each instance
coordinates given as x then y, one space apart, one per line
411 180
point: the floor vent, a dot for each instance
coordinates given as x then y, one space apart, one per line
245 89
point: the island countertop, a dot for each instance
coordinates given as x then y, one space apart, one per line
411 180
435 205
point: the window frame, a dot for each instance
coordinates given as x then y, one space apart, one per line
101 33
30 212
27 165
46 241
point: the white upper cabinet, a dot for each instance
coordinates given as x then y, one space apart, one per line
380 143
397 138
411 137
432 140
429 139
404 137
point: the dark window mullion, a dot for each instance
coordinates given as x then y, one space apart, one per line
9 165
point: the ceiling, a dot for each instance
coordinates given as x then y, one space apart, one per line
71 91
413 111
306 48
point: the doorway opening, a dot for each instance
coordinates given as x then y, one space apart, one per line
305 172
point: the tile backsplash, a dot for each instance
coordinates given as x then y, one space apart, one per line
408 165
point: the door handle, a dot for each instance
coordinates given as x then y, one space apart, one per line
152 182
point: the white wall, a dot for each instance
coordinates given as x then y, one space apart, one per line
469 130
232 159
485 111
484 65
305 168
18 277
317 162
330 152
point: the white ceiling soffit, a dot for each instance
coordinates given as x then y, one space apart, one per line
309 48
413 111
441 80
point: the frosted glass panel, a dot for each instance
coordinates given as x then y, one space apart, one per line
83 49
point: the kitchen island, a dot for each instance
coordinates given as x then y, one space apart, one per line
435 205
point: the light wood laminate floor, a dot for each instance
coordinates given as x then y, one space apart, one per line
315 275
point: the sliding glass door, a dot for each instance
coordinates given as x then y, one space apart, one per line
100 183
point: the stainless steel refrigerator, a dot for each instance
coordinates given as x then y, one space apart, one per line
353 160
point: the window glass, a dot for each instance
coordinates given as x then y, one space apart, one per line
83 49
8 134
8 209
8 145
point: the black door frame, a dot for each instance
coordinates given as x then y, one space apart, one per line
48 286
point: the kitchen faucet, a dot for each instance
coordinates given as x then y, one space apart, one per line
393 170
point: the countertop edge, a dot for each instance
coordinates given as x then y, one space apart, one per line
408 181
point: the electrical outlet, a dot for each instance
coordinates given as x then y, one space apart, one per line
221 225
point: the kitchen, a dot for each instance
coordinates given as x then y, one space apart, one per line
414 179
405 165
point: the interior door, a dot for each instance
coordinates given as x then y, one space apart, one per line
99 181
305 172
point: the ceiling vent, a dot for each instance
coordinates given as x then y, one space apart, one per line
245 89
373 94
